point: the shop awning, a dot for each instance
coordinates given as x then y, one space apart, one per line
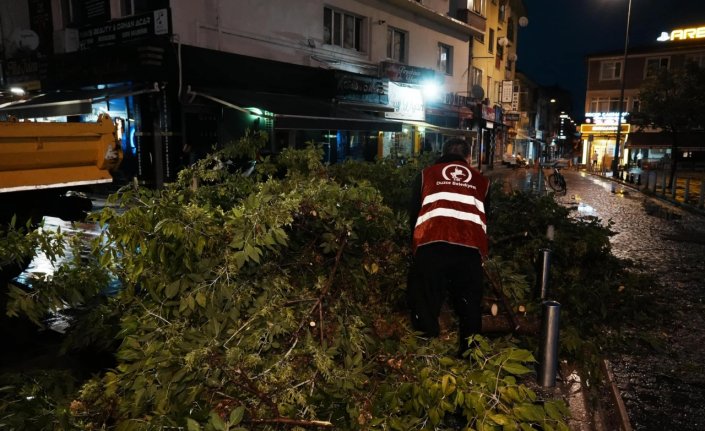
290 111
438 129
70 102
692 141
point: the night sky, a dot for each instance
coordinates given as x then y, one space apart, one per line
553 47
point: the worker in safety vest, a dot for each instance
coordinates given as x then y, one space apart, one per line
449 223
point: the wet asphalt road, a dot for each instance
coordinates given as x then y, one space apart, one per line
663 387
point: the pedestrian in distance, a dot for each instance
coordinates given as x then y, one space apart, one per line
448 221
594 161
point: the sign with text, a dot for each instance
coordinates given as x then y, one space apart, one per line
407 103
406 74
682 34
507 91
598 129
128 29
361 88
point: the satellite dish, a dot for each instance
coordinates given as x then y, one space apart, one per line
476 92
26 39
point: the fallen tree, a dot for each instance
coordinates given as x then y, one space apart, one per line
275 300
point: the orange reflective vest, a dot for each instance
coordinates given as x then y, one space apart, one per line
452 207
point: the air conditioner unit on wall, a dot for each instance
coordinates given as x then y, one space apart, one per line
65 40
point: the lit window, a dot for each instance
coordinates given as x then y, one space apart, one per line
610 70
342 29
445 59
396 44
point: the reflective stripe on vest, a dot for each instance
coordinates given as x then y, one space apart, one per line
452 208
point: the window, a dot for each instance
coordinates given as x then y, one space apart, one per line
445 59
342 29
698 59
605 104
396 44
655 65
610 70
490 44
69 13
134 7
477 6
510 29
636 105
476 77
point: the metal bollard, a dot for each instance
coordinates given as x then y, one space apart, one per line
545 267
548 351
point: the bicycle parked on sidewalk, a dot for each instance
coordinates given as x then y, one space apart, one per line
556 180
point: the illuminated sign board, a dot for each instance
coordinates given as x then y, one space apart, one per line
606 117
682 34
597 129
407 103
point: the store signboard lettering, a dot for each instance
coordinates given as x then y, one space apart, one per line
124 30
603 128
682 34
407 103
406 74
360 88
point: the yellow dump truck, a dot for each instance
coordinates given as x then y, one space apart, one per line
40 162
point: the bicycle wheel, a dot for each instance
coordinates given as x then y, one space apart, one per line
557 182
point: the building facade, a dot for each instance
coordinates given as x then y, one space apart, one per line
363 78
605 75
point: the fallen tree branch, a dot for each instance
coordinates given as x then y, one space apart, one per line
292 422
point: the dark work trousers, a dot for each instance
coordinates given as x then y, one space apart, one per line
441 269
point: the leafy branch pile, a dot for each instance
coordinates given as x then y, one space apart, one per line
275 301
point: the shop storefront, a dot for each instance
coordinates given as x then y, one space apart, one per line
599 138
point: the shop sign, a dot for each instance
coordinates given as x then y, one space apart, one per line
22 70
488 113
120 31
361 88
682 34
596 129
512 116
407 103
507 91
606 117
406 74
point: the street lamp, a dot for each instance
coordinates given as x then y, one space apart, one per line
615 161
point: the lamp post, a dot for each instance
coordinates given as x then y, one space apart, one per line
615 161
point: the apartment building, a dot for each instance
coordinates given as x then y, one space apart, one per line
363 78
606 74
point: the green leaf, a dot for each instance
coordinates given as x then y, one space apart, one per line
528 412
515 368
500 419
192 425
201 299
237 415
173 289
216 422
